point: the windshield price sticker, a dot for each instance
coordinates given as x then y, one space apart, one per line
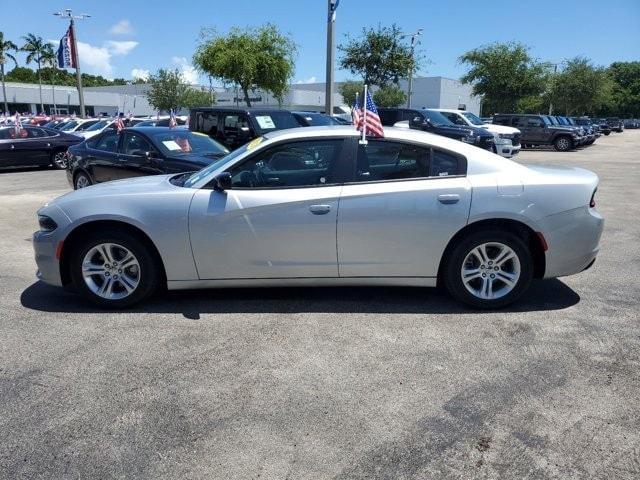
171 145
265 121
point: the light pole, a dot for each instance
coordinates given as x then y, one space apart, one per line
555 70
413 47
332 6
68 15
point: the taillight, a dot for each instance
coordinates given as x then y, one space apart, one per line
592 203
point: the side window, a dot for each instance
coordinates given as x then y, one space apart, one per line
454 118
133 142
383 160
296 164
444 164
534 122
108 142
207 123
5 133
233 123
503 121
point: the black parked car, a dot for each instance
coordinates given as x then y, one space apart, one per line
139 151
616 124
540 130
434 122
314 119
34 146
233 127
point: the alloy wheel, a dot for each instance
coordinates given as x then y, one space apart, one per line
111 271
82 182
60 160
563 144
490 271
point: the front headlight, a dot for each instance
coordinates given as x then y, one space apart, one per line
468 139
46 223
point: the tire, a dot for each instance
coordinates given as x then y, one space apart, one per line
59 160
607 133
473 289
81 180
131 274
563 144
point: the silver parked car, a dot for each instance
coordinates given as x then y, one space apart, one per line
313 206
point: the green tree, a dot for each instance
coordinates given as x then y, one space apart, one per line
251 58
389 96
378 56
580 87
195 97
349 89
504 73
168 91
35 47
625 94
22 75
6 46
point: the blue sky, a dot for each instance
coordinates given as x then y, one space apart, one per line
140 36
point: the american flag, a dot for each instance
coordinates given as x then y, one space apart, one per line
355 112
119 123
172 120
17 124
373 127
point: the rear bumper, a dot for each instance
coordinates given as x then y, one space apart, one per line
574 241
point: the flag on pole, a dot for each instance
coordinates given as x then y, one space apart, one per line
370 124
17 124
355 112
119 124
66 54
172 119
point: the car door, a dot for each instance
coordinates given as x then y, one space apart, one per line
406 202
29 147
132 157
102 158
279 218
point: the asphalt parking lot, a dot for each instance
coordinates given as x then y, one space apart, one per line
327 383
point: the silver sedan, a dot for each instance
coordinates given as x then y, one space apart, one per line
315 206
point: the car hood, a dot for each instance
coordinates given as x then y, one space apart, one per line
500 128
149 185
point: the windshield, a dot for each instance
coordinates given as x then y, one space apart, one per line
437 118
184 141
269 121
69 126
314 119
98 126
474 119
200 174
553 120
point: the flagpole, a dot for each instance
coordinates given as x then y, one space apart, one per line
363 140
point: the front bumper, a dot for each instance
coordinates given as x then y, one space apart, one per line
46 249
506 149
573 238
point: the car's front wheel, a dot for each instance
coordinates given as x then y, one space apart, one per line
488 269
562 144
113 269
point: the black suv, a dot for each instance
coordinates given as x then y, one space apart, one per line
616 124
434 122
233 127
540 130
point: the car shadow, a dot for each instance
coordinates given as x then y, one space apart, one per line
542 296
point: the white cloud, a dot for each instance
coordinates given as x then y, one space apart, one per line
188 71
121 48
94 59
308 80
123 27
140 73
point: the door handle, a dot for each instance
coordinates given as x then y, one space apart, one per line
320 209
12 147
449 198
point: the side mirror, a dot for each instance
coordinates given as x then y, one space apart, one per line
222 182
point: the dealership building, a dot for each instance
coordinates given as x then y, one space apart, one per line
428 92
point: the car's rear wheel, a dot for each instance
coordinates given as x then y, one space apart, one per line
562 144
81 180
489 269
59 160
113 269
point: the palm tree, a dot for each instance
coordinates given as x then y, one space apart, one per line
36 47
6 46
50 59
